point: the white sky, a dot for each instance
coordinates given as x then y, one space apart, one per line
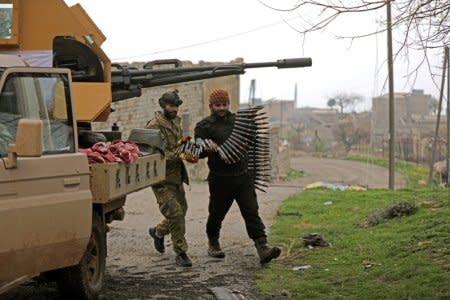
143 30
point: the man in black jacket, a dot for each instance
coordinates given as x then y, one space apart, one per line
229 182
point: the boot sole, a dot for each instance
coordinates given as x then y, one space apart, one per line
222 255
184 265
276 252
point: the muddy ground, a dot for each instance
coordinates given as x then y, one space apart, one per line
136 271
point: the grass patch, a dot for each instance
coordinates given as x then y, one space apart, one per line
294 174
402 258
412 172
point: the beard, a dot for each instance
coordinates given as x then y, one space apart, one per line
221 114
170 114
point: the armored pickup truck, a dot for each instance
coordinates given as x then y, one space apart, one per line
54 205
54 81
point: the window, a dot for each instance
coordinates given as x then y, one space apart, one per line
6 21
9 22
42 96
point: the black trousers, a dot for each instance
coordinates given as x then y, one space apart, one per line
223 191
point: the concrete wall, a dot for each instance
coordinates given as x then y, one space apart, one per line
136 112
281 159
280 111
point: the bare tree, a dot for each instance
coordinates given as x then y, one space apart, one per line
423 24
344 101
434 104
350 130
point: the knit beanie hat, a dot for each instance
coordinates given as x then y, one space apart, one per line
219 96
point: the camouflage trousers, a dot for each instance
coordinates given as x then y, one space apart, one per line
172 204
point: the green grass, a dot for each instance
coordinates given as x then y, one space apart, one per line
293 174
410 255
413 173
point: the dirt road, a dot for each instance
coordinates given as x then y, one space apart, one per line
136 271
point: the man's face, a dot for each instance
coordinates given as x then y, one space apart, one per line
220 108
170 111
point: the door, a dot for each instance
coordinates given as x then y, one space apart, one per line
45 202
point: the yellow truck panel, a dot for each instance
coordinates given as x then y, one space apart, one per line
85 108
32 35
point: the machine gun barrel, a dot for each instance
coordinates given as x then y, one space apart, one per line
127 82
282 63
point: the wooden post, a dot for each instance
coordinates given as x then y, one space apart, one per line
448 117
438 119
391 99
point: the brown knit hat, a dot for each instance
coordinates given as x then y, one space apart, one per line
218 96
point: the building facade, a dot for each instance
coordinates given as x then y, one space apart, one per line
409 108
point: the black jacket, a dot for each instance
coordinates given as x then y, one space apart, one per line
218 129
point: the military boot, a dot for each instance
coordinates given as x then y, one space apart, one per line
183 260
158 242
214 249
265 252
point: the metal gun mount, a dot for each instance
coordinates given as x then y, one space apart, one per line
115 82
127 82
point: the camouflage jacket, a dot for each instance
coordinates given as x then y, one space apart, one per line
170 132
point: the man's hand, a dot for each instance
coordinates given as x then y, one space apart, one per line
188 157
183 139
191 158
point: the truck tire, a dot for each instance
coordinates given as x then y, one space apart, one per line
85 280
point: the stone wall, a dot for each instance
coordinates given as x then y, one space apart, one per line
136 112
280 159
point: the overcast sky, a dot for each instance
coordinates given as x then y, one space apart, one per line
211 30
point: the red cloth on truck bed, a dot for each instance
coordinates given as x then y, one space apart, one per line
116 151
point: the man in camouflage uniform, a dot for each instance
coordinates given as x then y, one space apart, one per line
170 193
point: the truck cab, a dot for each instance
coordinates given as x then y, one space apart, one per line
45 198
54 205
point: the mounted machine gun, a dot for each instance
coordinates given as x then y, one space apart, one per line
127 82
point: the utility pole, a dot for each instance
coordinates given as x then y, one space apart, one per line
251 94
391 98
438 119
281 119
448 116
295 96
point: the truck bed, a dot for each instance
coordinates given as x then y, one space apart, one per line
110 181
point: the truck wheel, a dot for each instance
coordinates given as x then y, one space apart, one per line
85 280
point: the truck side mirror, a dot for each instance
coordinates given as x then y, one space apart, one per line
28 142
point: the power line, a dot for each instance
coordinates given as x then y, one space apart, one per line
206 42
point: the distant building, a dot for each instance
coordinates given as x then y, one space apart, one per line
409 109
314 128
280 111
